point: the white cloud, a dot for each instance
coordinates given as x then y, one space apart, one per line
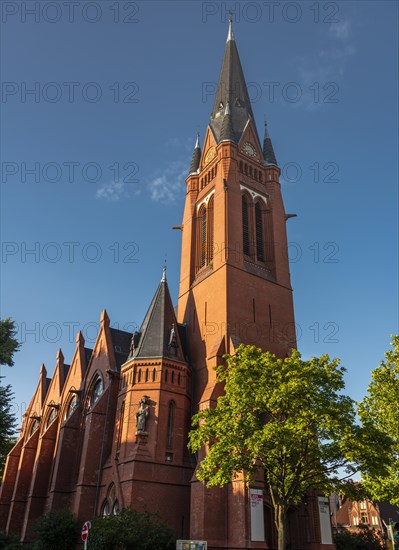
112 191
321 73
168 185
340 30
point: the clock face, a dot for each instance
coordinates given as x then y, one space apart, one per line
249 150
210 154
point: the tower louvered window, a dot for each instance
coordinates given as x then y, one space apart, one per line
210 232
202 238
245 226
171 421
260 255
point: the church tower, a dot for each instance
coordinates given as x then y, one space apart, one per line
234 281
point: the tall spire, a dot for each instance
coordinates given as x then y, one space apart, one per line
195 161
163 280
230 35
232 90
268 151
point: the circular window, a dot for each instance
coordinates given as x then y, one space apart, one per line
96 391
71 407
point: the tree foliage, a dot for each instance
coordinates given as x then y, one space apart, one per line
8 343
289 417
7 424
131 530
380 408
363 538
58 529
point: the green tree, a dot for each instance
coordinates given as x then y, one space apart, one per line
7 425
8 343
131 530
58 529
288 417
380 408
8 346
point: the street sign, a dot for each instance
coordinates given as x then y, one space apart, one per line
85 531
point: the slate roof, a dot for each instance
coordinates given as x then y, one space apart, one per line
159 334
195 161
232 89
88 353
121 344
388 511
268 151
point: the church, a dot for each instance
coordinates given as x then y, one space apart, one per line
109 430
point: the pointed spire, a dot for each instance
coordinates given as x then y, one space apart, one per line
232 89
230 35
163 280
227 132
195 161
268 151
158 328
104 317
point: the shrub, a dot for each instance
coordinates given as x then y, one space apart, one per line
362 539
131 530
56 530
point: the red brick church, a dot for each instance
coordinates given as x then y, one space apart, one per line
110 429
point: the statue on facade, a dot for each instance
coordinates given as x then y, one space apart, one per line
142 414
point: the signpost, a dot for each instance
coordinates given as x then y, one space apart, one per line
85 532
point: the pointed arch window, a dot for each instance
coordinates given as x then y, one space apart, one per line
50 418
210 231
245 226
260 255
171 421
96 392
34 427
73 403
105 509
202 237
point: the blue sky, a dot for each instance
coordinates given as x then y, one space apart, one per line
121 88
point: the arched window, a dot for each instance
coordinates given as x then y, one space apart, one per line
96 392
210 231
154 375
202 236
260 255
178 378
50 418
245 226
146 375
115 508
73 403
34 427
171 421
173 377
105 509
166 375
139 376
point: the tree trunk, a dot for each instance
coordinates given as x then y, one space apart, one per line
281 523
